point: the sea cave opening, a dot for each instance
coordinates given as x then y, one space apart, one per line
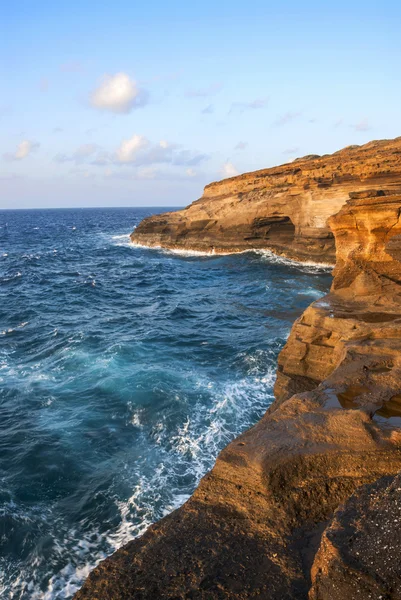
276 230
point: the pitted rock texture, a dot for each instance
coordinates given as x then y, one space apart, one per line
260 524
284 209
359 555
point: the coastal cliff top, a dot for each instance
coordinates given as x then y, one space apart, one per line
360 155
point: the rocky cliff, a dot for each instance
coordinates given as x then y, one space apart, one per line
306 503
284 209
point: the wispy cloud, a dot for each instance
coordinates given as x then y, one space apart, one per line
241 146
211 90
119 94
148 173
80 155
253 105
208 110
228 170
139 151
288 117
292 150
363 125
24 149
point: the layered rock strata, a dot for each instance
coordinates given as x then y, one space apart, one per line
268 521
284 209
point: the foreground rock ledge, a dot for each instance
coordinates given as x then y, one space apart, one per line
269 521
284 209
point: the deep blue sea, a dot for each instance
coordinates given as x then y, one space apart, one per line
123 372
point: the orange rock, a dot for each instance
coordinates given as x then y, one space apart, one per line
261 524
284 208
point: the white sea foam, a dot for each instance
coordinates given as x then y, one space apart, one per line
11 330
311 266
124 236
189 451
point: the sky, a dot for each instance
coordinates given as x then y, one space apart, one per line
142 104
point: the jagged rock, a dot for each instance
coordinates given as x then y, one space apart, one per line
253 526
284 209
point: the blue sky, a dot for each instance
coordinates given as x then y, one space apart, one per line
127 104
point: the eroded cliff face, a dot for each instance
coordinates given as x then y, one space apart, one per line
284 209
268 520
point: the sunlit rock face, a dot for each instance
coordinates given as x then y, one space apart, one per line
284 208
297 506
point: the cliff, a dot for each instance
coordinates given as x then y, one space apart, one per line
306 503
284 209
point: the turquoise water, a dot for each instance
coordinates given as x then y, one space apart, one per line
123 372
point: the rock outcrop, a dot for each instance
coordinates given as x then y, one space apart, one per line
305 503
284 209
359 555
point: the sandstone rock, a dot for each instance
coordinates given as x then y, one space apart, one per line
284 209
253 526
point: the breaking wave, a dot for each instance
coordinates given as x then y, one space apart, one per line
123 375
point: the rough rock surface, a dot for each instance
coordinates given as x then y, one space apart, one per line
260 524
359 555
284 208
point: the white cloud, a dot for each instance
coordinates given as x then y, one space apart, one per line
138 150
228 170
23 150
128 151
119 94
80 155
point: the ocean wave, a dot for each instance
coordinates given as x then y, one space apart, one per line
112 410
13 329
310 266
266 254
188 452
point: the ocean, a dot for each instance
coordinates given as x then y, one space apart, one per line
123 372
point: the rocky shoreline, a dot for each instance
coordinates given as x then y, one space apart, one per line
284 209
305 504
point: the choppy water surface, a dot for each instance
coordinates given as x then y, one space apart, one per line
123 372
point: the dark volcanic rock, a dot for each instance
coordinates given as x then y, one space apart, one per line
359 555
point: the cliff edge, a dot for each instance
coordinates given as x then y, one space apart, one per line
284 209
306 503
